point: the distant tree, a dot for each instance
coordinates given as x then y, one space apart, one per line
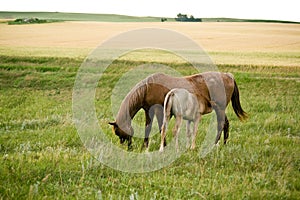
163 19
185 18
181 17
32 20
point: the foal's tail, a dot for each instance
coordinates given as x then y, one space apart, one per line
236 104
168 105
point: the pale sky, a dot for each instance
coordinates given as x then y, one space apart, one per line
249 9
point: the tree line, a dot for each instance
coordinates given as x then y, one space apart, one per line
184 18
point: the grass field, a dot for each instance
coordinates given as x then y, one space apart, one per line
42 156
79 17
113 18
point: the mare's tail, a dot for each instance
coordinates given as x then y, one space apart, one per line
236 104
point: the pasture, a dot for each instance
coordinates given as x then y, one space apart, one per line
42 156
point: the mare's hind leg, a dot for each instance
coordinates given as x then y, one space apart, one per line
156 110
221 120
226 129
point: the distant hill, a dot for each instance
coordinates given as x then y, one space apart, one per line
245 20
79 17
113 18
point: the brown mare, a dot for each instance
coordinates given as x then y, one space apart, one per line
214 91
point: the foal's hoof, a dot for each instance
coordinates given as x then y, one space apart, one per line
161 149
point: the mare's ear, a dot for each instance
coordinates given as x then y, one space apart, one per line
113 124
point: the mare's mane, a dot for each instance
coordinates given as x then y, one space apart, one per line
133 100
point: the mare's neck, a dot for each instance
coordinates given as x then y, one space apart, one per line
128 109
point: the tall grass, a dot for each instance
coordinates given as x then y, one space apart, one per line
42 156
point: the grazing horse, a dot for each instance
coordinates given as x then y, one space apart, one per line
183 105
214 90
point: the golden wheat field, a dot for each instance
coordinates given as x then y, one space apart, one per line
226 42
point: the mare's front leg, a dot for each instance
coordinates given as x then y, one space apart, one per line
149 119
129 143
159 113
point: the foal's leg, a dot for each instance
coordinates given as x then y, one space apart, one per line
176 130
163 135
188 133
226 129
196 123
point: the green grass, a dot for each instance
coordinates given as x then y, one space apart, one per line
42 156
79 17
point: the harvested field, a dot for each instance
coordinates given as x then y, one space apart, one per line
227 42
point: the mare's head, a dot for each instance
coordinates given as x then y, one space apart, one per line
123 135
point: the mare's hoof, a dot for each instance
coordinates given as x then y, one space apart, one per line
130 148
